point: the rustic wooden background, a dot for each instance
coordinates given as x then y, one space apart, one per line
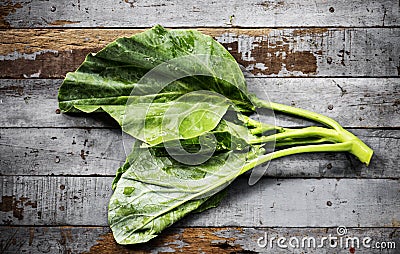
339 58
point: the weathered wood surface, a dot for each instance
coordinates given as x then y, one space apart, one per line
50 151
351 47
178 13
353 102
83 152
186 240
311 52
82 201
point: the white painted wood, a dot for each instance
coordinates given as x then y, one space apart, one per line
269 203
35 102
53 151
180 13
313 52
305 203
314 39
49 239
317 52
353 102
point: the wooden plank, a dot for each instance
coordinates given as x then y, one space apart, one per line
190 240
179 13
353 102
81 201
313 52
60 151
34 104
53 151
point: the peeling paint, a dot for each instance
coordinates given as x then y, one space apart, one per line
46 64
66 236
269 54
395 223
48 239
6 9
17 55
33 75
62 22
63 40
131 3
310 31
31 235
271 5
260 66
187 240
219 32
107 244
16 206
261 51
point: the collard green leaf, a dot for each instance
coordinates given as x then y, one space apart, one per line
110 76
227 136
138 79
192 116
173 90
154 192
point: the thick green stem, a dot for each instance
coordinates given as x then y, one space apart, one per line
308 132
359 149
339 147
297 112
259 127
296 142
262 129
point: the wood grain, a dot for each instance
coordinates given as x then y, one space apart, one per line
56 169
353 102
185 240
83 152
50 151
180 13
82 201
309 52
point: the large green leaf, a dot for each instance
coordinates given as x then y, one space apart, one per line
154 192
138 79
111 76
227 136
186 118
173 90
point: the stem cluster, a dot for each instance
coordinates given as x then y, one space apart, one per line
332 137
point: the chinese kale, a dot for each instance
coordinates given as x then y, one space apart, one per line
183 97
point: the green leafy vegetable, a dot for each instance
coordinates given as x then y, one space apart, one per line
155 192
185 100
